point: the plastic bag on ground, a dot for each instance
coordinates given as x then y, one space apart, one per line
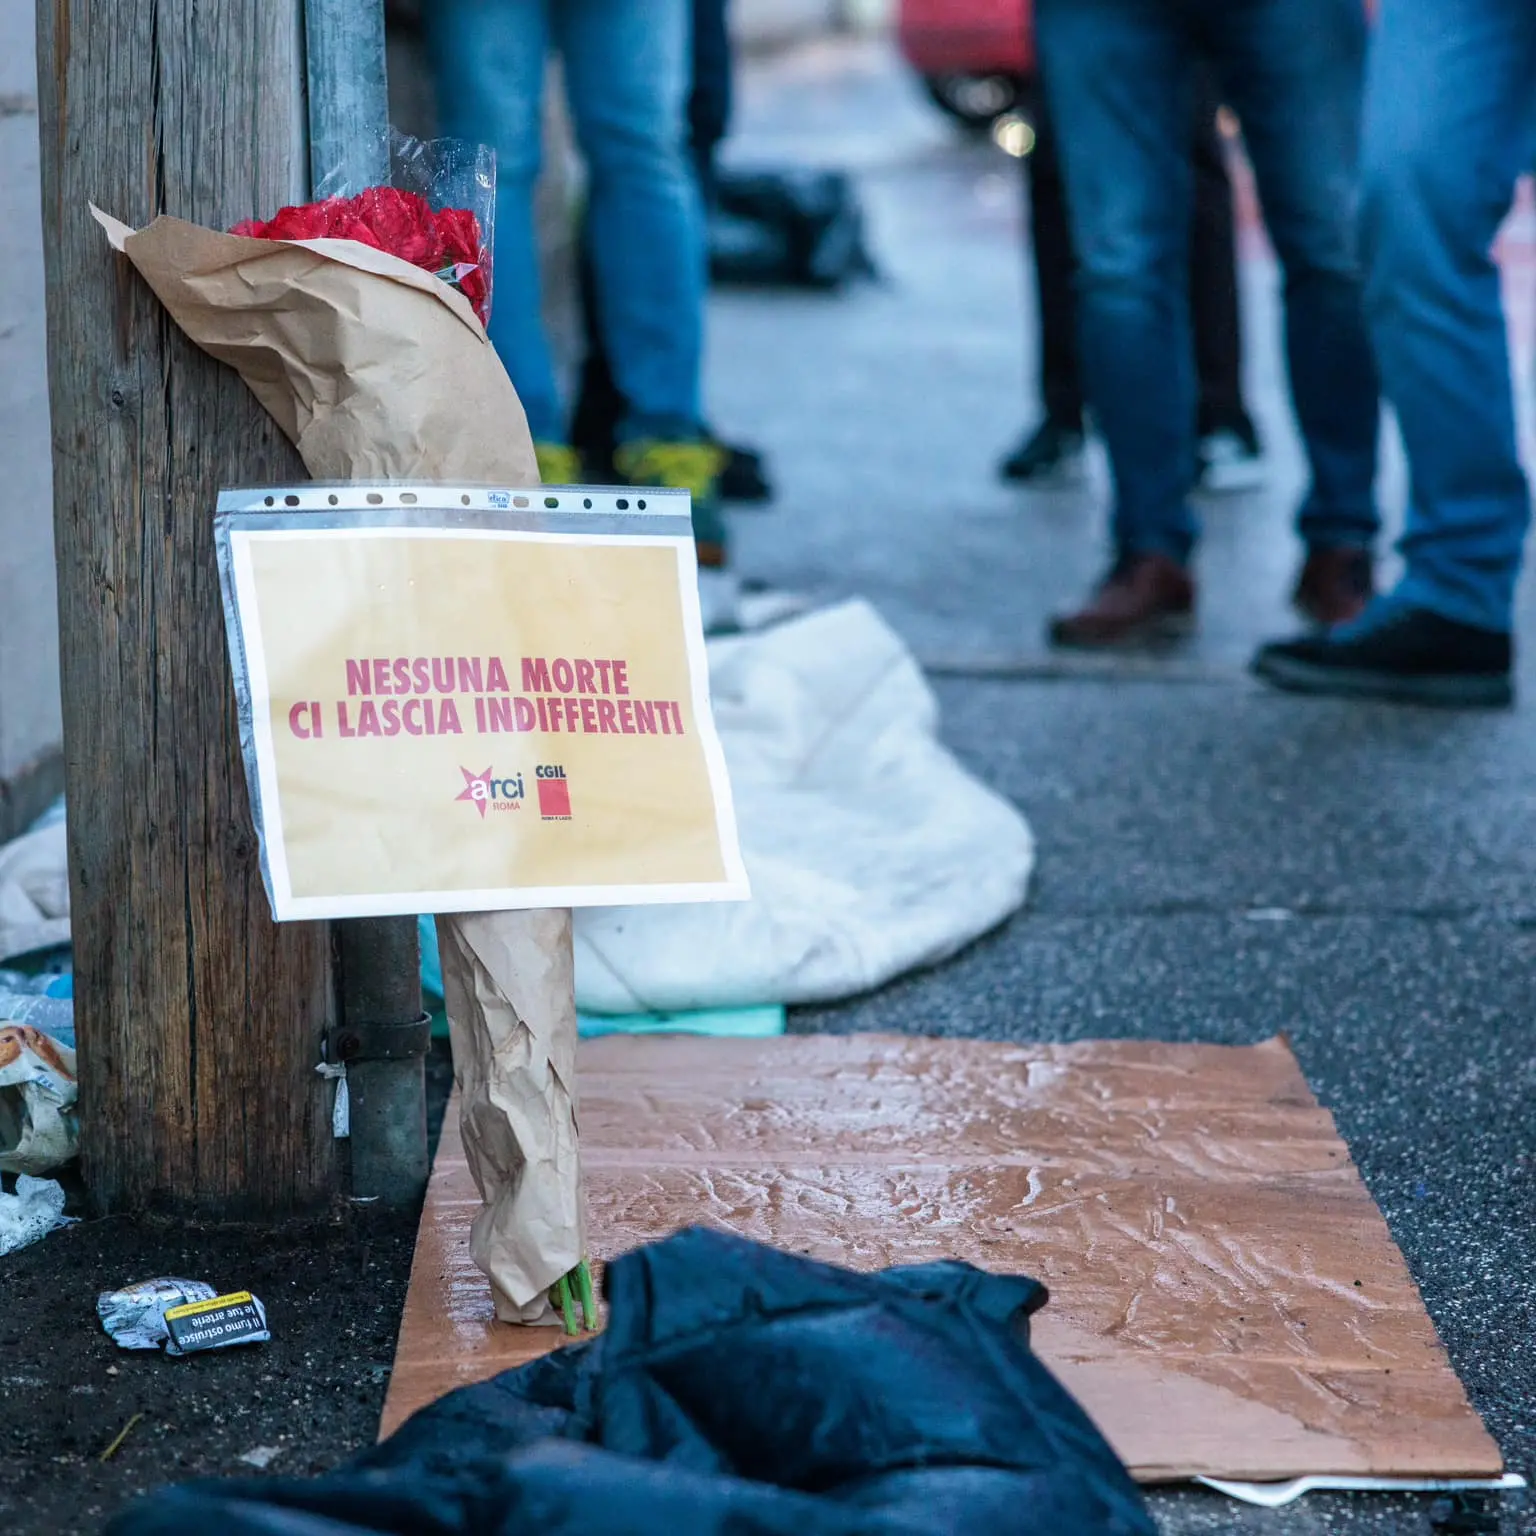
737 1390
39 1129
32 1212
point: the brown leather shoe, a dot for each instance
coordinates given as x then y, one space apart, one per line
1145 600
1334 586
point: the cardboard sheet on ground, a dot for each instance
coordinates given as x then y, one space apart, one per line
1226 1299
476 700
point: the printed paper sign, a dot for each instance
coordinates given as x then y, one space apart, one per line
474 700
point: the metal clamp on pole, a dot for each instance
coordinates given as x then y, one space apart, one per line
348 1044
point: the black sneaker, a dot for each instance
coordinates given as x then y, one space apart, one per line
1229 460
1408 655
744 477
1051 455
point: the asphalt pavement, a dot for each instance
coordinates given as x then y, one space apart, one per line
1216 862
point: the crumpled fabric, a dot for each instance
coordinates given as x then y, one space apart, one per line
738 1391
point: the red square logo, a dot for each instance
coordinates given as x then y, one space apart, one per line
554 800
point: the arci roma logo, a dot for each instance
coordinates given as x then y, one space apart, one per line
486 792
554 792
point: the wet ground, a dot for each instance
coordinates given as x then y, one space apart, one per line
1215 862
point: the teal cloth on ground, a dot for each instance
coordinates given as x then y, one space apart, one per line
742 1023
431 961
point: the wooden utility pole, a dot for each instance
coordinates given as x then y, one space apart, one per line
199 1020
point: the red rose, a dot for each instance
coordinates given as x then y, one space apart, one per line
349 227
459 230
311 221
448 243
403 223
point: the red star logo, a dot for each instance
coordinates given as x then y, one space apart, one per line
477 788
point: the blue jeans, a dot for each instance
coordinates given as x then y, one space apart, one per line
1119 76
1447 127
627 72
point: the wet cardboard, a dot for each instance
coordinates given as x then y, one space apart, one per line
1226 1298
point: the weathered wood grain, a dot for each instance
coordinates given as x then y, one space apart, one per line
199 1019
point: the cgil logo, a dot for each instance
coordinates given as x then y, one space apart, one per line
487 792
554 792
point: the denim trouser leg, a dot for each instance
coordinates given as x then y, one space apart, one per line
1118 76
1118 80
489 57
1293 71
1446 129
628 67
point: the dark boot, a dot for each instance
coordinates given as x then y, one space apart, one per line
1335 586
1145 600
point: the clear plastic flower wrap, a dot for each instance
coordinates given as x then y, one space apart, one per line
437 211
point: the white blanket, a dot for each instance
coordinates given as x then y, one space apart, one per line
34 891
871 851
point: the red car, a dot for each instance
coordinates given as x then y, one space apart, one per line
976 57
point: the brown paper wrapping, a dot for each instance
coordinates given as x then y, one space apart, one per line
378 371
510 991
374 368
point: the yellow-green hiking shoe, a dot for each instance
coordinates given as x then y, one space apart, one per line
559 464
693 467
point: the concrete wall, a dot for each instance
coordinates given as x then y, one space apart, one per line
29 640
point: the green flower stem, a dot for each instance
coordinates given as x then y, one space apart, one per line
588 1301
562 1299
565 1293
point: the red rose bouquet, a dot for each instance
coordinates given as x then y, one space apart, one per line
447 242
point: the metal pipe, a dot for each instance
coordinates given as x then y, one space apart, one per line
383 1036
382 1040
348 93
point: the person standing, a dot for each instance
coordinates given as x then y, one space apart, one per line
1229 457
1120 77
1447 132
600 408
628 70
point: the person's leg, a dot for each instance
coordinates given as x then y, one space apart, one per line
1052 450
710 98
599 406
627 72
1213 297
1292 70
1117 76
1061 390
1446 137
489 58
1446 134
